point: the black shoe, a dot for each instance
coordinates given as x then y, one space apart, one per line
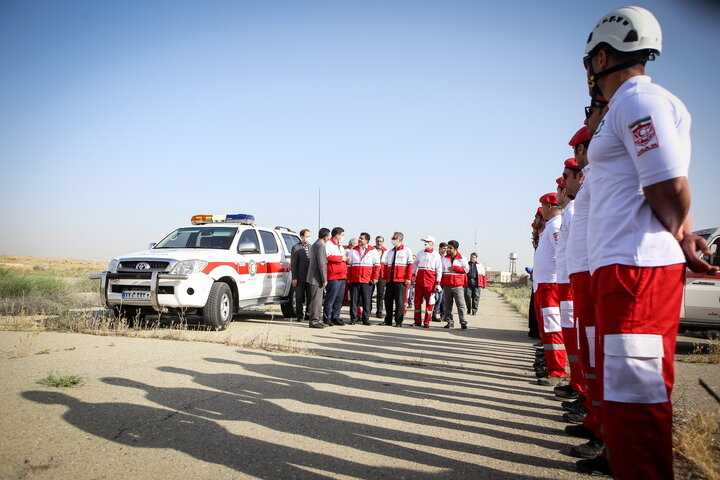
567 395
366 322
436 319
463 326
573 406
338 322
426 326
399 325
448 325
416 325
591 449
379 315
579 431
574 417
385 324
316 325
594 466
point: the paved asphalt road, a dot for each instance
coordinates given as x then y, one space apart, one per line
356 402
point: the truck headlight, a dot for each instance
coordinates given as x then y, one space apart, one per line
187 267
112 266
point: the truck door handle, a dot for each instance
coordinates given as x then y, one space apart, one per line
703 283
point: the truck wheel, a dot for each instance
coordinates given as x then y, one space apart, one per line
218 310
288 308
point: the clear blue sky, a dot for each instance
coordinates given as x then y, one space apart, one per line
120 120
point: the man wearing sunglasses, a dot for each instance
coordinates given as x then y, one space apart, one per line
640 155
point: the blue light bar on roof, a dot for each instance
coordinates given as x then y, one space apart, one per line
242 218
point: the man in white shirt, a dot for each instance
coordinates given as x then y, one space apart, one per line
641 239
426 278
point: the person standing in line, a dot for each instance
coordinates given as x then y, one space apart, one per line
641 240
428 270
475 282
397 273
364 273
379 287
547 301
299 262
453 281
337 274
317 278
439 310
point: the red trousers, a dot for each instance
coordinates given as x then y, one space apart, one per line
584 311
569 330
638 312
547 300
428 295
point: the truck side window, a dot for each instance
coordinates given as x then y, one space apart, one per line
269 242
248 242
290 241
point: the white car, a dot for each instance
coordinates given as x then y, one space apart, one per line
214 267
701 303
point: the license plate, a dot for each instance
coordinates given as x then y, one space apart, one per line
135 295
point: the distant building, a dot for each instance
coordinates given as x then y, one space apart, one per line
506 277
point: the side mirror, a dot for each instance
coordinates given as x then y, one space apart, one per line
248 247
151 245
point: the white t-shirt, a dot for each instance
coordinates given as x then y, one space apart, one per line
561 265
644 139
576 251
544 264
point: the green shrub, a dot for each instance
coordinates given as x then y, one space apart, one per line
14 285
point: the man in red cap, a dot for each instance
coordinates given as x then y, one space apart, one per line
640 158
546 292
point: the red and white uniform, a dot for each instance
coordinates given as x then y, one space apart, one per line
428 271
336 266
638 273
398 264
481 278
576 258
547 298
382 253
364 264
454 273
567 316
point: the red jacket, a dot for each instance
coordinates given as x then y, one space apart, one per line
336 266
398 265
383 254
454 271
428 269
364 266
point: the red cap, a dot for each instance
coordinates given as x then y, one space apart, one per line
572 164
550 198
581 136
560 181
539 211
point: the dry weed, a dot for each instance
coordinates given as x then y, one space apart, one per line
25 346
709 354
697 445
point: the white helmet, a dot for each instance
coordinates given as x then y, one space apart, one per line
627 29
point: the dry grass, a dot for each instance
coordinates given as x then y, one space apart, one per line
709 355
25 346
518 296
62 267
697 445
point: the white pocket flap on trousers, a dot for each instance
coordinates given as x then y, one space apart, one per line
638 345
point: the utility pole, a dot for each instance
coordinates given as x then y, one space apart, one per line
318 229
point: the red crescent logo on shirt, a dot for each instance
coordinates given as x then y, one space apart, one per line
644 136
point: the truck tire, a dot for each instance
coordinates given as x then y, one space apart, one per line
288 308
218 310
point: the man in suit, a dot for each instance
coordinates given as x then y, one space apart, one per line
317 278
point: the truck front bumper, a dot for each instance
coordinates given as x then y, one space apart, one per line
151 282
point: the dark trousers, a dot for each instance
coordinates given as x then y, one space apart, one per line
316 303
395 296
439 310
532 319
379 287
360 293
302 297
333 299
472 298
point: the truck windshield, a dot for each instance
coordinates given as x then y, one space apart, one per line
199 237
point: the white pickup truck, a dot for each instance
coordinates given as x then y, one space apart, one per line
701 303
214 267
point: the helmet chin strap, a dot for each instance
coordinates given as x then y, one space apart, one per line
594 77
